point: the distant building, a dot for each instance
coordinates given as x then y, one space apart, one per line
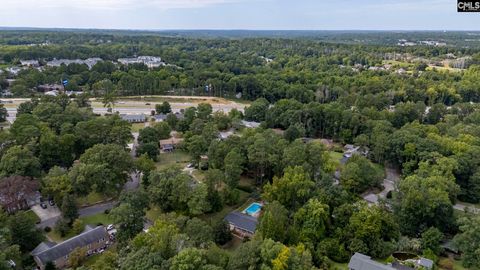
93 240
29 63
134 118
90 62
149 61
250 124
364 262
49 87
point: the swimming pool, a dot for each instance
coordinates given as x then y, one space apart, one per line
253 209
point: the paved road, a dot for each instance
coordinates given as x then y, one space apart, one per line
462 207
136 107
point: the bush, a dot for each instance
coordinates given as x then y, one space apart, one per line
62 227
107 211
47 229
446 264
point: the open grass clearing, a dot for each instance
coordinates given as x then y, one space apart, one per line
91 199
97 219
177 157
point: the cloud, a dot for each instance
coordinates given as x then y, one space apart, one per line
111 4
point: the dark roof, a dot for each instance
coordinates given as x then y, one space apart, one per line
427 263
133 117
242 221
42 247
364 262
160 116
65 248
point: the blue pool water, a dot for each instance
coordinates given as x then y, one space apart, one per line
253 209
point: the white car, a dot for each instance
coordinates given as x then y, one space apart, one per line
110 227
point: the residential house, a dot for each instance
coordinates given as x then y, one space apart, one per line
169 145
93 240
134 118
160 117
49 87
363 262
250 124
242 225
29 63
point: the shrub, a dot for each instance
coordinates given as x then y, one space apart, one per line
47 229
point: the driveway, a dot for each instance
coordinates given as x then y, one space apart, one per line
46 214
51 219
392 176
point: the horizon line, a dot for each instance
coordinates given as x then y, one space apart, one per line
230 29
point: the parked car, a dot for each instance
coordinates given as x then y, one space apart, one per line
148 104
110 227
43 205
51 202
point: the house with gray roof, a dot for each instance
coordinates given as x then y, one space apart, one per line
241 224
363 262
134 118
92 240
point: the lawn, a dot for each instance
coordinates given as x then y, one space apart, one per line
154 213
33 216
336 156
97 219
137 126
92 198
338 266
177 157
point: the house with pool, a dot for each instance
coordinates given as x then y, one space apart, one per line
244 223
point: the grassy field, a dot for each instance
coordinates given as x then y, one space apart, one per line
177 157
96 219
154 213
33 216
338 266
137 126
91 198
336 156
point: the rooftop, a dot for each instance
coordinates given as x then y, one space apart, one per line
47 253
242 221
363 262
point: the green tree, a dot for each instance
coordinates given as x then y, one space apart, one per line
204 111
468 240
106 167
431 240
292 190
19 161
233 167
189 259
163 130
257 110
3 113
78 226
274 222
77 257
312 221
359 174
69 208
164 108
23 231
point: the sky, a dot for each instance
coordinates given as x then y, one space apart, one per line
238 14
